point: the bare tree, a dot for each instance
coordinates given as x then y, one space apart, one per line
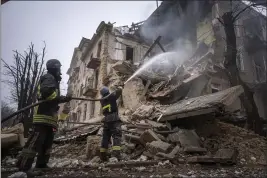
23 76
228 20
6 110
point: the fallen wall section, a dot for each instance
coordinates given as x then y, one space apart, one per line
202 104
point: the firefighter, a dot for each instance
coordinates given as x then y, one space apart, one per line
112 123
44 119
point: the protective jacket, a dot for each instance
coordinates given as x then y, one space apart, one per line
112 125
46 113
110 108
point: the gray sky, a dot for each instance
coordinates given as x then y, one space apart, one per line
61 25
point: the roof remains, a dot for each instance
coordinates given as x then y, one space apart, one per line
202 104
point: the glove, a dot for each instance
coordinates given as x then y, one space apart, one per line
60 121
64 99
121 86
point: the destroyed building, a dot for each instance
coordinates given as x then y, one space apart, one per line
91 65
177 23
175 113
194 22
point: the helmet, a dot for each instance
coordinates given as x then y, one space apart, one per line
53 64
104 91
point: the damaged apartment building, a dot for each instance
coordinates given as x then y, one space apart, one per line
179 113
195 24
91 65
174 25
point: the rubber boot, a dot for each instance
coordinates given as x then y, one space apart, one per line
103 156
33 173
45 166
116 154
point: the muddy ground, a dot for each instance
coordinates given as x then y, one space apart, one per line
158 171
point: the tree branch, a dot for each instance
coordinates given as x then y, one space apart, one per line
243 10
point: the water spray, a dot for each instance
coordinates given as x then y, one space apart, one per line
158 60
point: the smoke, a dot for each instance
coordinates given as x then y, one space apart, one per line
172 26
177 32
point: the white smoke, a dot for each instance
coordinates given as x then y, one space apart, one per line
175 29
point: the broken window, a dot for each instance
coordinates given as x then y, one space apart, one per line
84 111
99 49
92 111
74 117
78 115
81 90
96 77
129 54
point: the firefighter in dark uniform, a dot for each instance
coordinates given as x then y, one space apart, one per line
112 123
44 119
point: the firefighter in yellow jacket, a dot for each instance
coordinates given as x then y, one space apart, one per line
44 119
112 123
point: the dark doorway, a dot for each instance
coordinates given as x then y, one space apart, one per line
129 54
84 112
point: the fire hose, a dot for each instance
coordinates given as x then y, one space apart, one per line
45 101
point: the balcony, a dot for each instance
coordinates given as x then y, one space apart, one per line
89 89
93 63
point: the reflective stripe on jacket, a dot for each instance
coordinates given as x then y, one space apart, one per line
46 113
110 108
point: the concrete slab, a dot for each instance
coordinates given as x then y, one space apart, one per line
171 155
149 136
9 139
227 156
188 138
158 146
202 104
124 67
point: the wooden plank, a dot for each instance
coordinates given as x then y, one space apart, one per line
151 47
191 78
161 47
202 160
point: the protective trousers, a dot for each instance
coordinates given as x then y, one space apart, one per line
111 129
40 141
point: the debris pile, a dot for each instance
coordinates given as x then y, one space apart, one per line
198 138
173 120
166 123
12 140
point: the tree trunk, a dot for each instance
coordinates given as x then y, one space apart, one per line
234 77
